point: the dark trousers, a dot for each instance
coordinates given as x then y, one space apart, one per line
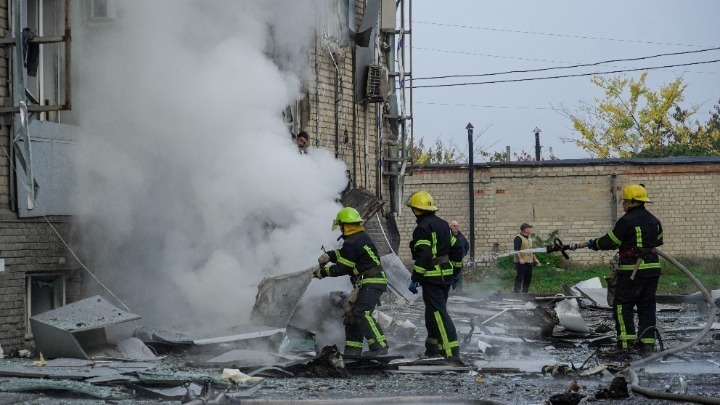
442 336
362 325
523 276
631 294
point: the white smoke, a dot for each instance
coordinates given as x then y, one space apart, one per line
189 187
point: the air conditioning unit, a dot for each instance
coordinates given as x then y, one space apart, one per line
377 89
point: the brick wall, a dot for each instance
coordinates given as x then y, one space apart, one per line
28 246
335 73
575 198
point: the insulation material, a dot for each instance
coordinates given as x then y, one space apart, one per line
398 277
278 296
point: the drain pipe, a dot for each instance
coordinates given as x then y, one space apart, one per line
634 381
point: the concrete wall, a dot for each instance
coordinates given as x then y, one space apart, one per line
576 198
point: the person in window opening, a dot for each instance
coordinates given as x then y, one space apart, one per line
463 242
302 140
524 259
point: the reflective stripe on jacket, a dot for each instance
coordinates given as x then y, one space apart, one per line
434 250
638 228
357 256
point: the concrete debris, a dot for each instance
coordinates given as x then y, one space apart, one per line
233 374
506 341
74 329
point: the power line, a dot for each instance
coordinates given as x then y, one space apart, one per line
565 76
571 66
485 106
554 35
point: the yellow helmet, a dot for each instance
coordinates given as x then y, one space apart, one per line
635 192
347 215
422 200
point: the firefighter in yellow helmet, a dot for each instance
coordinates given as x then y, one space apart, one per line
434 249
358 258
636 235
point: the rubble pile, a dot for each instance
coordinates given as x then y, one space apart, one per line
515 348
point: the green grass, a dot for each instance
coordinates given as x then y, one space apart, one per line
548 279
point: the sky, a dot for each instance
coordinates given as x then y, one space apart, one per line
481 37
189 189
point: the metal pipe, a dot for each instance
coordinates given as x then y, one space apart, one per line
471 192
613 201
68 58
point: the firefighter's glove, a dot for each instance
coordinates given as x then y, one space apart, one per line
323 259
318 273
414 287
592 244
570 246
455 283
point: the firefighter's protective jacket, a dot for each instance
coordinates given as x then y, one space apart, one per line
636 234
359 259
434 249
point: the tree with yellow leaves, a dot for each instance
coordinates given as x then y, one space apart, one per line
634 121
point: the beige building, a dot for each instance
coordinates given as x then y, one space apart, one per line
349 108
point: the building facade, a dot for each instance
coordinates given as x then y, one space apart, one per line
349 108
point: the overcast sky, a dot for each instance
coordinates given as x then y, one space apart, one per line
480 37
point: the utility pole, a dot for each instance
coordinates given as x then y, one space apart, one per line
537 143
471 191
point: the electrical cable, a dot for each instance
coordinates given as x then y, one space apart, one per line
565 76
555 35
570 66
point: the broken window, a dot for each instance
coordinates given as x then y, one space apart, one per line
44 293
45 62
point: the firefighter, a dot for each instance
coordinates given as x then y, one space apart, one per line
636 234
434 249
358 257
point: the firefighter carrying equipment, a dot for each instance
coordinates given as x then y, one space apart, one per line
323 259
347 215
357 258
422 200
635 192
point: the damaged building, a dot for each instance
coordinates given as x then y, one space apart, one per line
348 107
87 305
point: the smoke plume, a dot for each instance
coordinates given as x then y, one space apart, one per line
189 189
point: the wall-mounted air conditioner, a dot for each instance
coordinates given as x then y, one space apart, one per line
377 88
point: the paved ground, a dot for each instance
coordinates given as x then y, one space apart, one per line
510 373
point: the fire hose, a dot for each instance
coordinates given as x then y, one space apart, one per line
634 381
